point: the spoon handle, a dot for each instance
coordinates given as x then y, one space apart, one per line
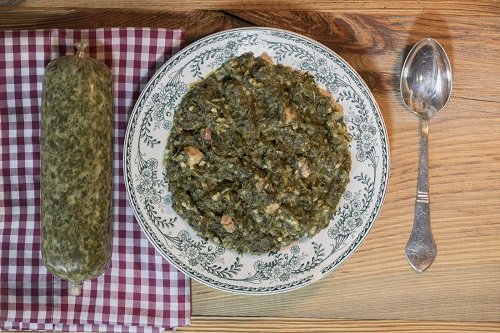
421 249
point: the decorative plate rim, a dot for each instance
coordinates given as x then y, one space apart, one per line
310 278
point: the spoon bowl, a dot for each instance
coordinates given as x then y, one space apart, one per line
426 84
426 79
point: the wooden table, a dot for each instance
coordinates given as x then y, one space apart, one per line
375 290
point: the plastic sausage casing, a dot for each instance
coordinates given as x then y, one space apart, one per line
77 168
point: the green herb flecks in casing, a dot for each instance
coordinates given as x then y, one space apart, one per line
258 156
77 168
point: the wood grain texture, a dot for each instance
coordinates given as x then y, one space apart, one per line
301 325
457 7
375 290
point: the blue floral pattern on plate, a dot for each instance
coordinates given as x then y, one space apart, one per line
308 259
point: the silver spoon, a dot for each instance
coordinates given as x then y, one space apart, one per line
425 88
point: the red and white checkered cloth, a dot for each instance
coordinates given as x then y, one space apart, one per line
141 291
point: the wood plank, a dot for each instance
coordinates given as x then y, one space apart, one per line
196 23
456 7
304 325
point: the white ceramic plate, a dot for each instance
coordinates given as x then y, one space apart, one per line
306 260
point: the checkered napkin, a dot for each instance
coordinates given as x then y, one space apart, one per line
140 292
